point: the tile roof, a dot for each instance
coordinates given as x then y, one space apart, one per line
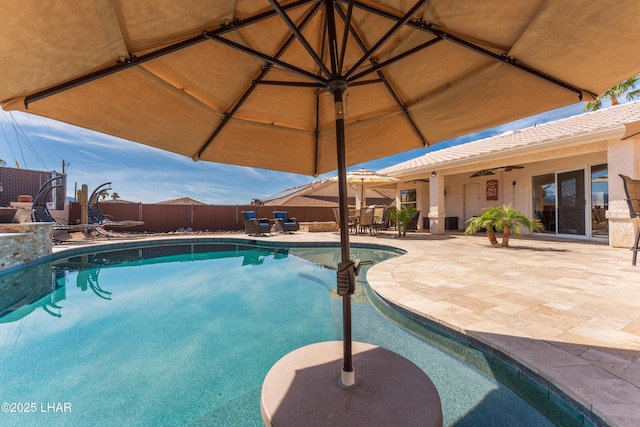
307 195
583 124
293 192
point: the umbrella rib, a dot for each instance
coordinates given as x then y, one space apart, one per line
298 35
232 26
392 92
332 37
247 93
270 59
288 83
405 110
134 60
366 82
396 58
316 129
503 58
347 25
400 22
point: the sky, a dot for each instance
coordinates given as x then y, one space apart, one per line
148 175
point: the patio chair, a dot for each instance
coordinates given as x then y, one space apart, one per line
632 192
255 226
366 221
336 215
352 221
285 224
380 219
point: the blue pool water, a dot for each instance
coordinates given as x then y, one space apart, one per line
153 336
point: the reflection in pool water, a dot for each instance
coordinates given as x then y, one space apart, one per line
184 335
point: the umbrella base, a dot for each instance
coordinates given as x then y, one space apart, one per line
303 389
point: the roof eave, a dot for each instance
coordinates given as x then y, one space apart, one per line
616 132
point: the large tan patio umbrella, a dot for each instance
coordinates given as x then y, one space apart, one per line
308 86
366 176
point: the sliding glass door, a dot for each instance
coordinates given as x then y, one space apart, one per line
599 201
544 200
571 202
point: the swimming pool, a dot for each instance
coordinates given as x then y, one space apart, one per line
185 334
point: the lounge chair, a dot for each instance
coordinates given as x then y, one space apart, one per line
40 213
285 224
255 226
97 217
632 192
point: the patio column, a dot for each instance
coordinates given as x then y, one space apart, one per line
358 194
623 158
437 212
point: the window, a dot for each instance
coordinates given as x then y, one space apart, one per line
408 198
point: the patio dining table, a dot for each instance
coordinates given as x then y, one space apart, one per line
358 228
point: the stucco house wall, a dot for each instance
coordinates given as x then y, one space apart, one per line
446 189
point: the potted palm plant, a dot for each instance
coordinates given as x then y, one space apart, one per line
505 219
402 217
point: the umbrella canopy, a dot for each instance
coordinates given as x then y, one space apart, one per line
306 86
362 176
368 176
249 82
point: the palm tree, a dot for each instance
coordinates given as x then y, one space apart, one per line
486 222
513 221
115 196
402 217
613 94
2 162
503 219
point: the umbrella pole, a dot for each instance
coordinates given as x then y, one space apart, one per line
348 374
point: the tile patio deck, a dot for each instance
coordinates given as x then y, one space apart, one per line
567 310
